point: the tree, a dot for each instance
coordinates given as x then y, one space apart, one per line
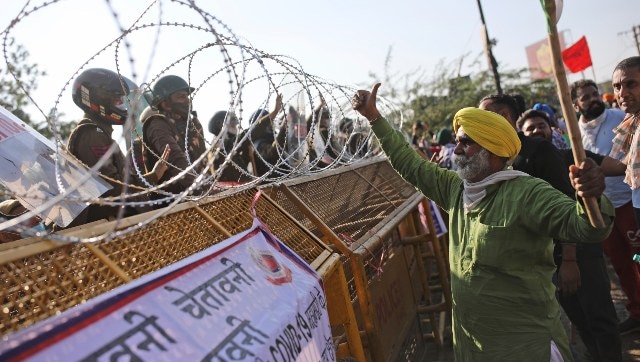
437 99
18 79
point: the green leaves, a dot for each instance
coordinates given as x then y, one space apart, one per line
17 79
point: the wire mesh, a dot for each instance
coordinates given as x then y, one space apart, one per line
351 202
166 241
45 284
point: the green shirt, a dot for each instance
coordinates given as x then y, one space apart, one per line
504 305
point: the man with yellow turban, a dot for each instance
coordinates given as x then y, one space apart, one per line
501 226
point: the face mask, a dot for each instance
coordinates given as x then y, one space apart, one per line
181 109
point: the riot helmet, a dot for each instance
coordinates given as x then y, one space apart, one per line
218 121
102 93
165 87
258 115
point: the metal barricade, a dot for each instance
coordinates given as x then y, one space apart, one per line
364 211
41 278
357 226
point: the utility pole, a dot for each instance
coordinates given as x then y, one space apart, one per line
636 35
493 64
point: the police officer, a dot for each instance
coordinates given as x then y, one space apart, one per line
172 125
101 94
235 171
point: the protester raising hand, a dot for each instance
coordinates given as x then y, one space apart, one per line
365 103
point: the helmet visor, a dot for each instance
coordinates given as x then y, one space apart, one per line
119 103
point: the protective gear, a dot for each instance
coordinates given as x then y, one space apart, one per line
180 110
12 208
490 130
232 130
166 86
217 122
101 93
257 115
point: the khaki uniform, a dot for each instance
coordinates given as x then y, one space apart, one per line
88 142
266 145
236 170
158 131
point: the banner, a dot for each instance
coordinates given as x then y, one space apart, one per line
539 58
577 57
438 222
246 298
28 169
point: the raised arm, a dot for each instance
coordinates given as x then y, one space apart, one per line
437 183
365 103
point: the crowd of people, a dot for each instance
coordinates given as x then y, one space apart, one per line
520 241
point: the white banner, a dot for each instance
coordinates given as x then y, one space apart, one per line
438 222
248 298
28 169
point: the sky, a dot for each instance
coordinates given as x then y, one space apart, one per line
342 41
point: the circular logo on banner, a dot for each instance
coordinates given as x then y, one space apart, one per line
276 273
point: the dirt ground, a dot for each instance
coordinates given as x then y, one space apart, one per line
630 342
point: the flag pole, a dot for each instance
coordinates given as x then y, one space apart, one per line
590 203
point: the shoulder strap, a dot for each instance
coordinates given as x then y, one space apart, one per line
83 125
147 121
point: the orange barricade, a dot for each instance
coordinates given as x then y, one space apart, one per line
367 213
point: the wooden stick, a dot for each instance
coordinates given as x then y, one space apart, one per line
590 203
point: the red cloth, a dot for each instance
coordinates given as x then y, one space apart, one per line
577 57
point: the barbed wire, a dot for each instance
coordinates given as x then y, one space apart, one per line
310 103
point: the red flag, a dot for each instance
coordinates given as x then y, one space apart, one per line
577 57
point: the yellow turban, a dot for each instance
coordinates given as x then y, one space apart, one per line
490 130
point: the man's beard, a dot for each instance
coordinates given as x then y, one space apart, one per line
593 112
472 167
